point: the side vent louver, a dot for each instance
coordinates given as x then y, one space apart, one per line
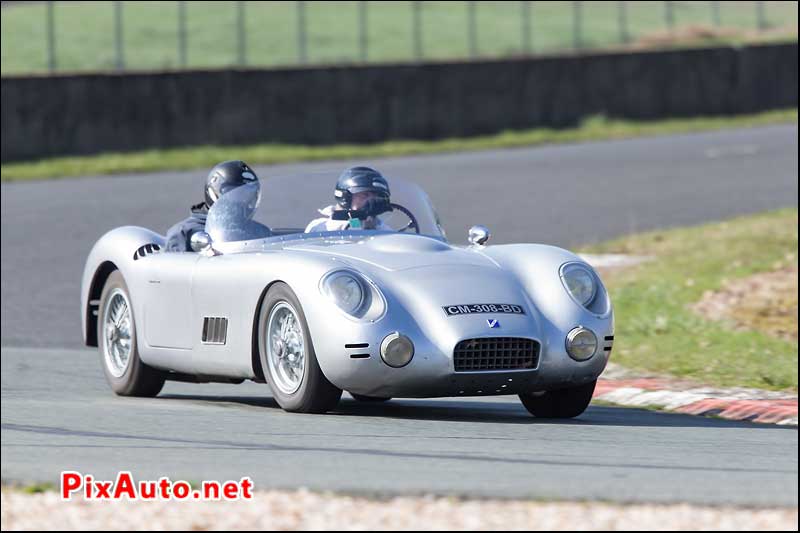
610 340
146 250
215 330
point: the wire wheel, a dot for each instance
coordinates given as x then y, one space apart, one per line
286 354
117 332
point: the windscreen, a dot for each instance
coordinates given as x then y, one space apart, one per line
231 218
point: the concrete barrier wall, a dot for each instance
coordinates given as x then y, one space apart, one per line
90 113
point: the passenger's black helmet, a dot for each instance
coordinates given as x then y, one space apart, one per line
226 176
360 179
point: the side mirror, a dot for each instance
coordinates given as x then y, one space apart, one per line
478 235
200 242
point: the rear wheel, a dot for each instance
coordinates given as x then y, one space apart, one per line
288 357
116 336
372 399
560 403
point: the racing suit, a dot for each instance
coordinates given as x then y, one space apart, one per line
326 223
179 236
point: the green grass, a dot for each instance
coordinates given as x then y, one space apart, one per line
38 488
84 31
655 329
595 128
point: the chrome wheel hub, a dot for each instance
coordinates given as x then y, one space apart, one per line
285 348
117 345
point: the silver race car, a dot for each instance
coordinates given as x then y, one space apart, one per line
377 313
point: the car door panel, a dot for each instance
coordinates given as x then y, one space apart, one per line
168 299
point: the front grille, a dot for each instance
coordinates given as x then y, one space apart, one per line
495 353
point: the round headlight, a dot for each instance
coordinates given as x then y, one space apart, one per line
397 350
346 290
581 343
580 283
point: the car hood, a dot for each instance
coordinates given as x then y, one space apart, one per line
395 252
425 276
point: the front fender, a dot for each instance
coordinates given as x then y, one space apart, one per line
537 267
113 251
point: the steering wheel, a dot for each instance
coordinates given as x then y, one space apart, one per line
412 220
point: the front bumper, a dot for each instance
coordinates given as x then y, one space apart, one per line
431 373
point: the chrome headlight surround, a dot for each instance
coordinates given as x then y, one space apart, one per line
580 283
366 302
347 290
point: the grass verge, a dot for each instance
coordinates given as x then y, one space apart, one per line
657 331
30 488
594 128
84 32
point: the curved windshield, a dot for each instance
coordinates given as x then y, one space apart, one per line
288 205
231 218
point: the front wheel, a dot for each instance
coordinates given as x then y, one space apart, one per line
288 358
560 403
116 341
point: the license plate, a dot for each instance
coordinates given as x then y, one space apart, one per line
469 309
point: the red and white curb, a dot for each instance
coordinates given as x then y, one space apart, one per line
734 404
620 387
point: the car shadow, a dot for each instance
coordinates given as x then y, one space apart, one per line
494 412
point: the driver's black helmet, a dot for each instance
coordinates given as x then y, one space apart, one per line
360 179
226 176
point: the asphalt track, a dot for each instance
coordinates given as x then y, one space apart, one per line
57 412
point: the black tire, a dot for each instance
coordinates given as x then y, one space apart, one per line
370 399
315 394
138 379
560 403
